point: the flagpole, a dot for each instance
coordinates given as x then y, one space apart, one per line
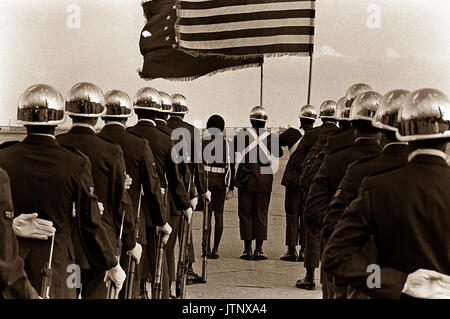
310 77
262 82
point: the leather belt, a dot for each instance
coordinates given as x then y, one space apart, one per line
213 169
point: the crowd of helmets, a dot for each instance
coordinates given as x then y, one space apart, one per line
42 104
419 115
422 114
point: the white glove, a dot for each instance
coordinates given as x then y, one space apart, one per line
128 181
188 213
136 253
29 226
427 284
117 275
229 194
194 202
207 196
166 229
101 208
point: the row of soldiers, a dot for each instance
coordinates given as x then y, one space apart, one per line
370 195
107 200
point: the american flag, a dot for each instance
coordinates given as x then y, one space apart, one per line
158 43
242 28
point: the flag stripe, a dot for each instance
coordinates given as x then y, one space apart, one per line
248 17
245 42
209 4
248 8
265 49
246 25
247 33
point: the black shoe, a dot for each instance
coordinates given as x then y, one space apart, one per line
193 278
247 255
259 255
290 255
306 283
213 255
301 256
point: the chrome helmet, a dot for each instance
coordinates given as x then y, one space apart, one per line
85 100
424 115
118 104
179 104
342 110
364 106
147 98
328 110
166 102
308 112
40 104
258 113
355 90
386 116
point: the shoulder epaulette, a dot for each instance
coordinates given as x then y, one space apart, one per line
8 144
386 170
74 150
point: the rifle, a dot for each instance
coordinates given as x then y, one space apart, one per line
47 273
186 259
112 287
157 289
205 237
158 271
129 285
181 258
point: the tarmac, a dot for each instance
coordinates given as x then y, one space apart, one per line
229 277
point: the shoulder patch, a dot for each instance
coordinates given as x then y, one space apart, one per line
8 144
9 215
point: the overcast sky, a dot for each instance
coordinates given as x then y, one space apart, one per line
410 49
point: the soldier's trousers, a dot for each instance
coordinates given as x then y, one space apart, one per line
175 223
312 247
295 233
253 208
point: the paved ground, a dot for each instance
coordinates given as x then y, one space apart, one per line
231 277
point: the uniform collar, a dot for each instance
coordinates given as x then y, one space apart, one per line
115 124
392 144
146 121
84 125
42 134
429 152
363 138
40 139
161 121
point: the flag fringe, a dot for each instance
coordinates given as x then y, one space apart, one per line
192 78
197 54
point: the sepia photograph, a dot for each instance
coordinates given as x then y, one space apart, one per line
224 158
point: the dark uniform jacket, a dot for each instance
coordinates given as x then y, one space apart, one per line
51 180
249 173
290 137
329 176
140 165
339 139
108 173
161 146
294 167
314 159
393 156
212 143
406 211
195 154
14 283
